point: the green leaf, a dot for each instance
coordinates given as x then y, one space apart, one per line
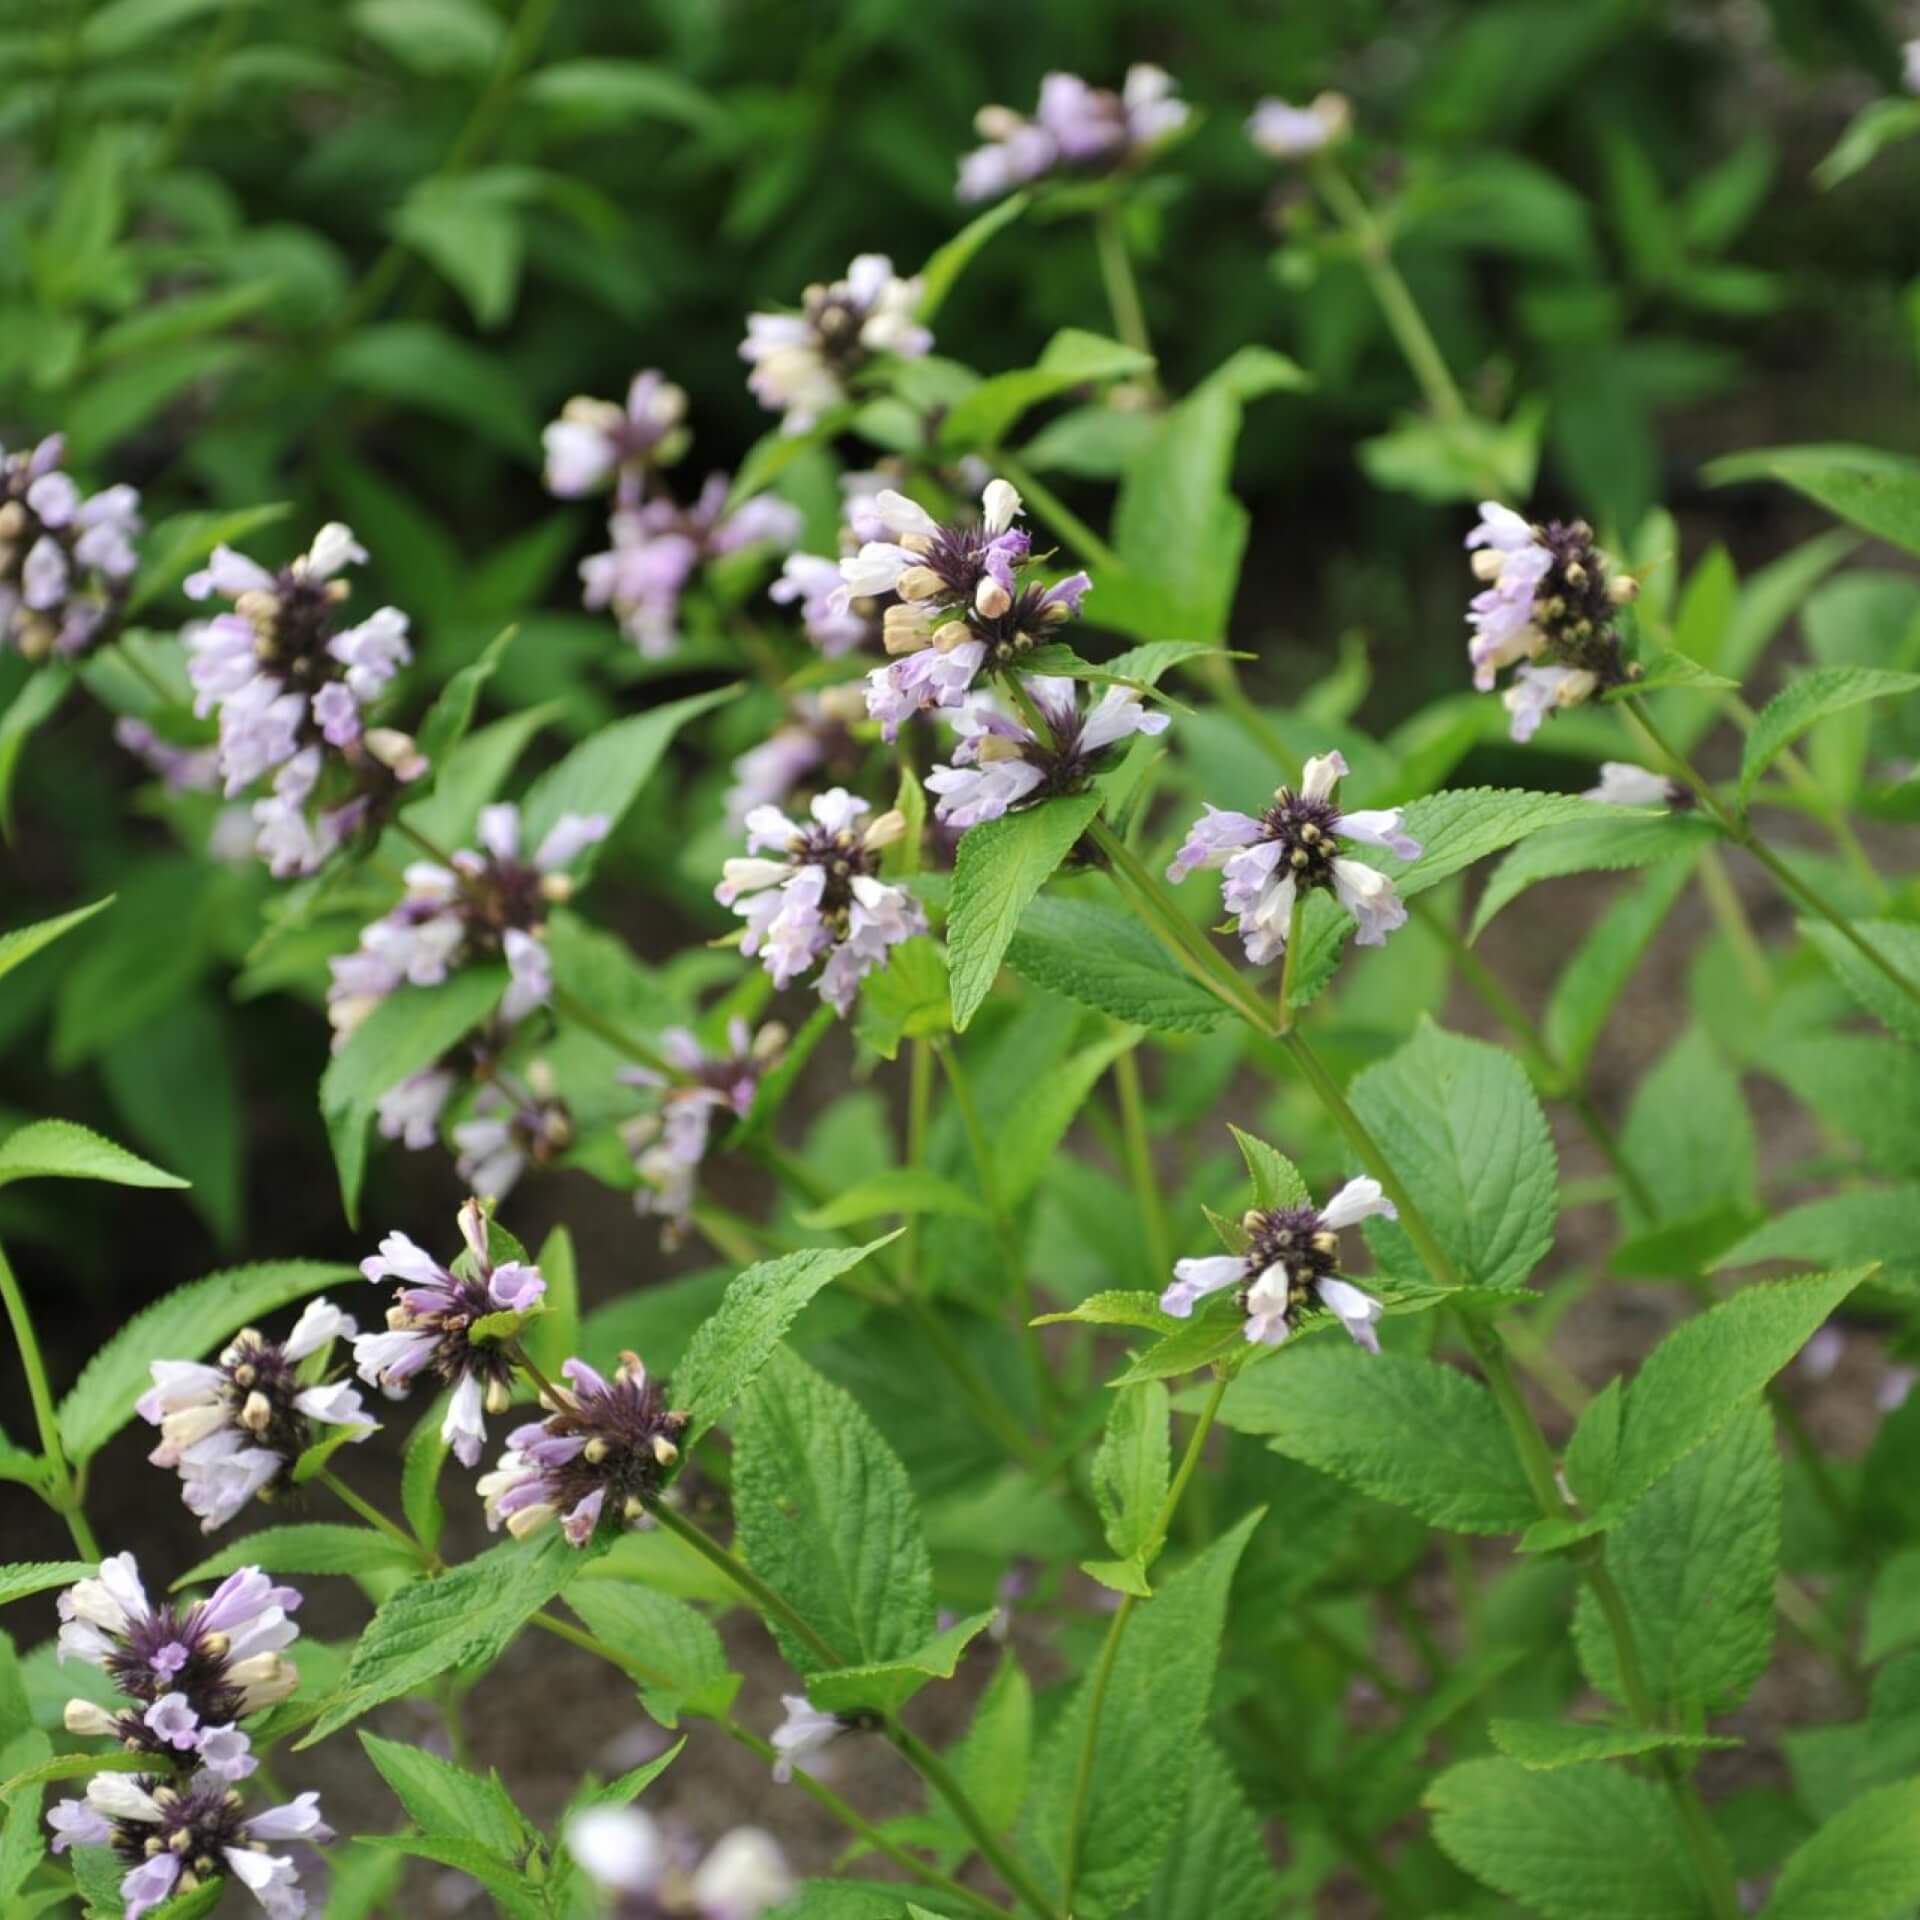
469 230
978 422
1276 1180
1116 1309
1589 846
1864 1864
451 714
1403 1429
1810 698
433 36
604 92
1898 943
885 1686
1107 960
897 1191
907 999
311 1547
26 1577
753 1317
686 1665
59 1150
1865 1225
177 545
1877 491
1029 1136
420 1477
1877 126
1146 1743
442 1799
1000 867
605 773
126 24
1208 1339
949 261
20 944
1457 458
37 701
1667 670
1460 1123
1893 1607
1218 1864
464 1618
417 364
1696 1561
1131 1471
1579 1843
826 1516
555 1330
181 1325
993 1759
515 1894
1544 1746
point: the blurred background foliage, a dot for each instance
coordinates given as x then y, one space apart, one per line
350 257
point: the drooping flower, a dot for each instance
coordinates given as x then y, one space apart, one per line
66 558
1291 1261
428 1329
486 903
411 1111
511 1129
625 1853
595 441
190 1668
1269 861
603 1451
1910 66
1624 785
173 1835
1076 130
803 362
804 1732
817 734
669 1144
823 899
1001 764
235 1428
1548 607
1292 133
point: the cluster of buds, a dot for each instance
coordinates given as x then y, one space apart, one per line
430 1328
66 558
1291 1263
962 606
645 1875
292 688
604 1450
1288 132
233 1430
1001 763
1548 606
804 363
822 900
1076 131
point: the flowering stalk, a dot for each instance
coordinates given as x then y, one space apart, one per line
65 1498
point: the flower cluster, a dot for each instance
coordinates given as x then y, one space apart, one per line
817 734
823 899
604 1447
234 1429
510 1129
1549 602
66 558
669 1144
1076 130
625 1853
430 1329
962 604
478 905
597 441
804 363
1292 133
190 1671
1000 763
1270 861
1291 1260
292 689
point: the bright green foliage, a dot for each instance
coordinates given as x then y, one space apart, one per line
58 1150
1809 699
316 1546
1864 1864
1217 1863
673 1649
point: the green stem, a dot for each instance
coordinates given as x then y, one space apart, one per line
1138 1148
571 1007
376 1519
1819 802
1051 508
919 1117
1116 274
1283 1006
1604 1137
193 96
729 1238
939 1777
66 1497
1723 903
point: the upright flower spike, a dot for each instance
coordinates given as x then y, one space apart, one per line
1076 131
234 1429
604 1449
962 603
1548 608
803 363
822 900
429 1329
595 442
1290 1263
645 1877
1293 133
66 558
174 1835
1269 861
1001 764
669 1144
191 1668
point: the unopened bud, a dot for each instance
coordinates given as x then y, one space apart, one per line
257 1414
950 635
884 831
595 1451
990 598
499 1396
769 1042
1326 1241
664 1450
89 1720
1252 1220
919 583
904 630
530 1519
1488 563
1622 589
396 752
557 887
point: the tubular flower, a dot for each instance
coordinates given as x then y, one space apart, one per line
1548 607
511 1131
428 1329
1075 130
175 1835
191 1669
66 558
1268 862
625 1854
804 1732
669 1144
485 903
822 900
1292 133
962 605
605 1448
1622 784
233 1429
1290 1263
595 441
835 624
802 362
817 734
1001 764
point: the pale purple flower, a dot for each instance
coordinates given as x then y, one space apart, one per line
66 559
1821 1355
1290 1263
1895 1385
184 769
802 362
822 900
1910 66
1293 133
816 735
511 1130
410 1112
427 1329
1536 692
595 441
804 1732
623 1851
1269 861
1624 785
1076 129
835 624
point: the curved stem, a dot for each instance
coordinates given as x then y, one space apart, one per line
1116 275
1723 903
1138 1150
939 1777
376 1519
66 1496
919 1115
